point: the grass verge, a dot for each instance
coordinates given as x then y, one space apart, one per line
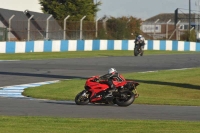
180 87
81 54
76 125
170 87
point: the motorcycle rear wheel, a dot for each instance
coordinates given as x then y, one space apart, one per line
80 99
126 98
141 54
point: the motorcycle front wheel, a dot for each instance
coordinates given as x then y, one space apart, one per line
135 52
82 98
126 98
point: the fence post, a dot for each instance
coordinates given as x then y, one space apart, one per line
47 27
167 28
96 35
81 27
64 34
10 26
29 27
155 28
177 29
104 23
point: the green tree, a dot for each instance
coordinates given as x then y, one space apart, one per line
192 36
122 27
75 8
189 36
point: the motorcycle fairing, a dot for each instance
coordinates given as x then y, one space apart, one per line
96 88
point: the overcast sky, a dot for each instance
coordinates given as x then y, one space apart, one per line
137 8
143 8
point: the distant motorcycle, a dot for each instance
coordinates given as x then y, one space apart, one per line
95 92
138 47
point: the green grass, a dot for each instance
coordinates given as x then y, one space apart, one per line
170 87
181 87
80 54
76 125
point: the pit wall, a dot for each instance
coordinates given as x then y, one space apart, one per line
92 45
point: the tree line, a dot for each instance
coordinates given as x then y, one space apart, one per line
125 27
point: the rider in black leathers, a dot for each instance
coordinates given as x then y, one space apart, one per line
110 76
141 41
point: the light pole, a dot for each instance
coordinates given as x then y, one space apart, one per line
197 21
189 19
189 14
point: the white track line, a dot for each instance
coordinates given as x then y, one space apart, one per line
166 70
8 60
16 90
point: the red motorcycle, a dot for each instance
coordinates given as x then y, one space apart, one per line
96 90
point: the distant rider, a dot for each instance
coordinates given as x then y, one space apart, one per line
111 76
141 41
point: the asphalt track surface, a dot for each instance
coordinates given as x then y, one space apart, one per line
23 72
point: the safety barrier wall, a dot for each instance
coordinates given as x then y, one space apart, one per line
91 45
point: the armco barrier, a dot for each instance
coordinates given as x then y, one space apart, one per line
91 45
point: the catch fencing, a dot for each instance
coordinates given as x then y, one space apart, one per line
60 30
84 30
